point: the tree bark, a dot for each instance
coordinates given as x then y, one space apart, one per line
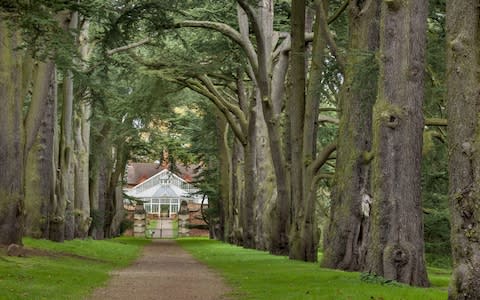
463 94
114 199
345 240
81 133
225 161
265 193
99 163
65 190
12 135
250 182
296 111
67 154
40 172
261 20
237 190
81 188
396 246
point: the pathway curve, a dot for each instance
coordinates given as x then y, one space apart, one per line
164 271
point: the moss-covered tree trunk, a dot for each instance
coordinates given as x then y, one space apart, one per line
262 23
463 94
99 165
237 191
224 229
345 239
247 212
250 185
113 199
11 135
296 112
67 153
81 133
265 193
303 108
65 190
40 170
396 246
81 188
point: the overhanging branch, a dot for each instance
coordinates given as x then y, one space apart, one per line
340 10
228 32
128 47
435 122
322 158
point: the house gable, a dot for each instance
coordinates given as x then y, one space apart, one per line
163 178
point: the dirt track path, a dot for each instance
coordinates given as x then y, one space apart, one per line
164 271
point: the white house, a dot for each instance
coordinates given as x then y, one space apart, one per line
163 193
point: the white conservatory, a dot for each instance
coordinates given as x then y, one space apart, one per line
163 192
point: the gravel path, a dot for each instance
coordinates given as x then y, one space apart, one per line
164 271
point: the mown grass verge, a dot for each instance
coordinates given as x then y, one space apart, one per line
69 270
258 275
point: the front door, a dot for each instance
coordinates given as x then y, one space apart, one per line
165 210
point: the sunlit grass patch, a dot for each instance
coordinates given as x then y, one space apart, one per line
69 270
259 275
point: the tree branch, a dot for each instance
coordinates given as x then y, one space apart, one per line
322 158
439 136
340 10
235 110
318 177
331 42
128 47
197 87
262 61
228 32
328 109
435 122
285 45
328 119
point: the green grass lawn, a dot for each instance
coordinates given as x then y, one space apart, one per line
259 275
69 270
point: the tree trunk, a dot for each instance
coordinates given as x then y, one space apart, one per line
238 194
11 136
81 132
56 227
67 154
296 112
114 203
250 182
265 193
40 172
280 211
225 161
463 94
81 188
345 240
396 247
65 182
98 165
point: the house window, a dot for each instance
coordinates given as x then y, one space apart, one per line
155 208
173 208
148 207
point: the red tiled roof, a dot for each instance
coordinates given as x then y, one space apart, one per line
139 172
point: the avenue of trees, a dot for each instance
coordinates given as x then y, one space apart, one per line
345 125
